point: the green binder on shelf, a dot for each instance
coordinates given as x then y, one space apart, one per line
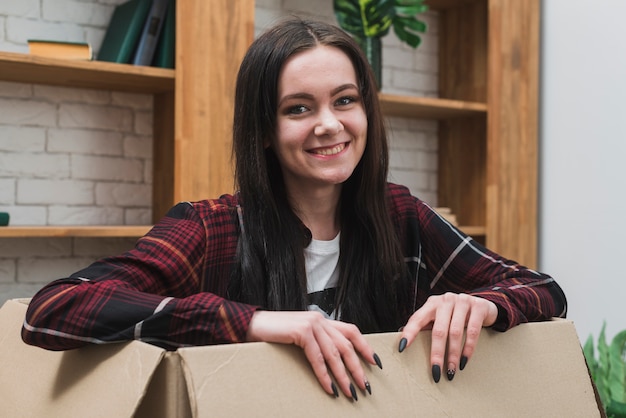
164 55
150 34
122 35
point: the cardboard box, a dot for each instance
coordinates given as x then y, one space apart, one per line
534 370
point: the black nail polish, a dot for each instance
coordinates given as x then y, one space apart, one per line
402 345
450 374
368 387
463 362
436 373
377 360
334 388
353 392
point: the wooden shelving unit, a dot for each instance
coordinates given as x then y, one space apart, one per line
489 53
118 231
192 106
487 113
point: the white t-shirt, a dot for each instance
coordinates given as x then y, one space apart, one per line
321 259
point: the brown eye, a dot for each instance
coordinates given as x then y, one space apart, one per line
297 110
344 101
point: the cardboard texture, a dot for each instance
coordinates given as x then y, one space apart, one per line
532 370
107 381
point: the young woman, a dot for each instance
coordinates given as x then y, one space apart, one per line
314 249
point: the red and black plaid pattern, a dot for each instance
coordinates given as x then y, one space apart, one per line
170 290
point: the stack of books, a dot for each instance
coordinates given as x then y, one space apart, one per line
60 49
140 32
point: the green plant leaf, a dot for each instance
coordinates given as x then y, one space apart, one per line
602 381
365 18
590 357
378 17
406 36
374 18
410 8
405 29
349 17
616 409
405 23
409 11
617 369
413 24
609 371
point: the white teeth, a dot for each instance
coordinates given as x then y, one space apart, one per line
330 151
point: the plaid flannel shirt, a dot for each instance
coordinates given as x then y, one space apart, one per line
170 290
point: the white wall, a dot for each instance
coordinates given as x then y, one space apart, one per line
583 159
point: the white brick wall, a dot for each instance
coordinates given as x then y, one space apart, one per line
31 261
82 156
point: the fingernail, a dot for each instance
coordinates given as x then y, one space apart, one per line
334 388
402 345
368 387
353 392
463 362
377 360
436 373
450 374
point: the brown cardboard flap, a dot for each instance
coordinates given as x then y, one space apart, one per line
166 395
535 370
532 370
96 381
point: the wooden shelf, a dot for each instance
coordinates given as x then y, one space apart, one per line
429 107
110 231
474 231
123 231
25 68
193 106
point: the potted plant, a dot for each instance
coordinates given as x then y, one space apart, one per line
608 371
369 20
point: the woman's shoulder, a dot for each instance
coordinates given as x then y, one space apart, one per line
405 208
225 205
401 199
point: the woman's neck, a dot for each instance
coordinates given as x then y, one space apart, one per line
319 211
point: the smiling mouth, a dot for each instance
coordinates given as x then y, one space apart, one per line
329 151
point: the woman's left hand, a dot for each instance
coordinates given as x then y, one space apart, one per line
450 315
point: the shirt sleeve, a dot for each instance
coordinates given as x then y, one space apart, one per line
451 261
151 293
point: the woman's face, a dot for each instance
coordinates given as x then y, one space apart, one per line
321 122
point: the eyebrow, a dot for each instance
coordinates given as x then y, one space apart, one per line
308 96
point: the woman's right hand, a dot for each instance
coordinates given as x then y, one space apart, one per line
330 346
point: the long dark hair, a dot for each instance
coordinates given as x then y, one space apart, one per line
270 267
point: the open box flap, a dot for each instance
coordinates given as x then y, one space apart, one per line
105 380
534 369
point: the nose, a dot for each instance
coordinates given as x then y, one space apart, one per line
328 124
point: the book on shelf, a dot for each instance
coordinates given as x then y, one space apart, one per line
124 30
60 49
164 55
146 46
